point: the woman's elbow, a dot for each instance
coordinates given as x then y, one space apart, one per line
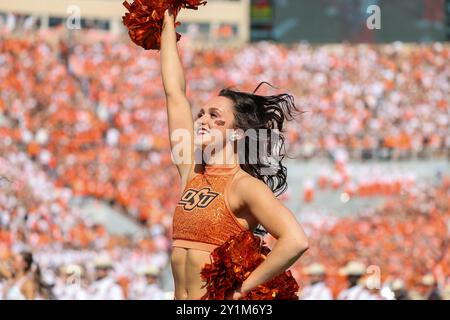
301 245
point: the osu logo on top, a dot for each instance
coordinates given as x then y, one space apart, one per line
197 198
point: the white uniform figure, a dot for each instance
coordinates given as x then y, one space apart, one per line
104 287
150 289
373 285
357 292
71 288
432 290
317 290
354 271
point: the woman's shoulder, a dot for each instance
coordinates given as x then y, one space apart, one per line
245 184
243 177
28 282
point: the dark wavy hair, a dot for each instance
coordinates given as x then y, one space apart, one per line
38 281
27 257
267 115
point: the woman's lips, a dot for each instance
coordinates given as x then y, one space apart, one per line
202 131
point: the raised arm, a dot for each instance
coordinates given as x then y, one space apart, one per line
181 123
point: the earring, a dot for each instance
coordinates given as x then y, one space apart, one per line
235 135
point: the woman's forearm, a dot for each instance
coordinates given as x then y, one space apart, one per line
171 67
284 254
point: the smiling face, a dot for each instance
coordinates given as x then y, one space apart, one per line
212 122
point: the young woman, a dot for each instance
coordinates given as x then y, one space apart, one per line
223 194
20 285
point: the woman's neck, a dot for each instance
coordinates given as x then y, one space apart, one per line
220 158
19 275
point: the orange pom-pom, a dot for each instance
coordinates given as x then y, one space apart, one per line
144 19
233 262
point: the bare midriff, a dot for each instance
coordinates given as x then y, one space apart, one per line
186 267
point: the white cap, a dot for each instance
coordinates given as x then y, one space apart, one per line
150 271
314 269
428 279
73 269
103 262
397 284
353 268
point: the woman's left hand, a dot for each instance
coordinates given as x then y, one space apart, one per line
238 293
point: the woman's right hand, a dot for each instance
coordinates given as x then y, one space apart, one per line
168 18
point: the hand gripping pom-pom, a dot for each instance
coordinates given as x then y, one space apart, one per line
232 263
144 19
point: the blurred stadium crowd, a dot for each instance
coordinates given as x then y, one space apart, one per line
81 119
404 241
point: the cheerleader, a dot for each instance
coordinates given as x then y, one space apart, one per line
224 192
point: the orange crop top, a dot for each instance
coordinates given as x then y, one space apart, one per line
203 219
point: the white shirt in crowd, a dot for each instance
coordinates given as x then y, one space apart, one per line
105 289
356 293
151 292
72 292
317 291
